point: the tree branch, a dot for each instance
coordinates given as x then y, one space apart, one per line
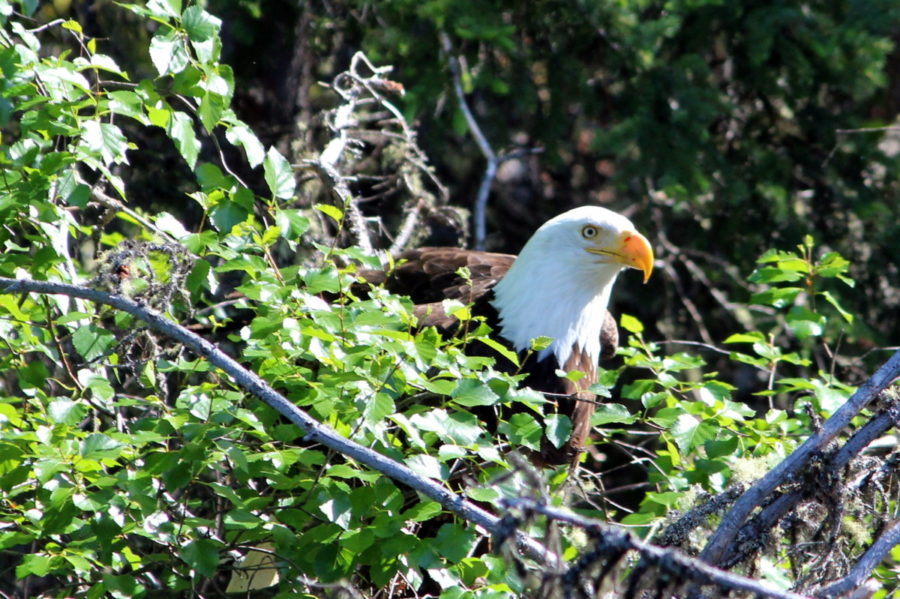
721 541
315 431
747 538
493 159
674 563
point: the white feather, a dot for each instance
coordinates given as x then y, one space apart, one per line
557 289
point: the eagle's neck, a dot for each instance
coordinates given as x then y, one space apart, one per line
541 297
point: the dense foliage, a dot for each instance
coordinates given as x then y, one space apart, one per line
131 468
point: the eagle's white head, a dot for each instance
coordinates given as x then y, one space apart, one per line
560 284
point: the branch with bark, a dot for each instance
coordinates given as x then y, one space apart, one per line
611 544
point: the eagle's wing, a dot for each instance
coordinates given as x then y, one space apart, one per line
430 275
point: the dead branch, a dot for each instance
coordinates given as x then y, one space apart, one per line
677 533
611 542
314 430
722 540
363 104
748 537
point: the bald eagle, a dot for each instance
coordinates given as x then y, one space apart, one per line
558 287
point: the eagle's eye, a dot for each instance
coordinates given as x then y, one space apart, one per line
589 231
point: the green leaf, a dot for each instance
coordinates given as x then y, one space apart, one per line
34 565
773 274
167 52
64 84
541 343
805 323
829 398
472 392
98 446
279 175
721 449
128 103
101 389
420 512
292 223
610 413
240 134
523 429
832 264
202 555
631 324
454 542
484 494
199 24
428 466
105 140
378 408
92 342
242 520
837 306
501 349
66 411
227 214
334 212
667 499
558 429
106 63
164 9
689 432
181 130
779 297
752 337
210 110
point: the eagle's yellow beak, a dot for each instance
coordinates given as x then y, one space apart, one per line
632 250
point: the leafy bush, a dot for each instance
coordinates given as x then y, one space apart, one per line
130 467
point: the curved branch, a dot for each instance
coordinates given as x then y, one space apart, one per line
721 541
253 384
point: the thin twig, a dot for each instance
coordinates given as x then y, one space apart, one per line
407 228
863 568
113 204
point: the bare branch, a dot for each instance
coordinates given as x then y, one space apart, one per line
747 538
493 159
113 204
670 561
253 384
721 541
407 229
